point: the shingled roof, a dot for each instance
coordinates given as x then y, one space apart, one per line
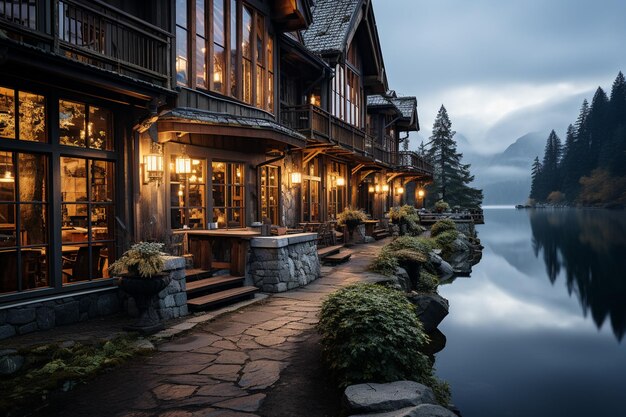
407 105
331 25
377 100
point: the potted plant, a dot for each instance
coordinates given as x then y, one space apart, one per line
141 275
351 218
442 206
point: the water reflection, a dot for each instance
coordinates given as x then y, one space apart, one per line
588 247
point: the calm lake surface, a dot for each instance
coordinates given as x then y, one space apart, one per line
538 328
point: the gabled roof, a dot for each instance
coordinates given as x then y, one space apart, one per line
378 101
332 21
407 105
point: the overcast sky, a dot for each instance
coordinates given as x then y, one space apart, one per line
502 68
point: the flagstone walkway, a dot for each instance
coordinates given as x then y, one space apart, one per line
224 367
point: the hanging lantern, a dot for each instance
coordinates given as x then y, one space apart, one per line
183 163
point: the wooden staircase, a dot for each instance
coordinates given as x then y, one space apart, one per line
333 254
205 291
380 234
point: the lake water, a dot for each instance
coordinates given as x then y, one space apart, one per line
537 329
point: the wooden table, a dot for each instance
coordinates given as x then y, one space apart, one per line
369 227
200 243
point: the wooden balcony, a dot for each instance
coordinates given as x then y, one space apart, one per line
411 161
93 33
316 123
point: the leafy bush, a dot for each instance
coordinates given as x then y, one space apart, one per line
144 259
371 334
427 283
420 244
442 206
385 263
408 216
444 240
441 226
351 217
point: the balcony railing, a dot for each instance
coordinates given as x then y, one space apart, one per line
318 124
96 34
413 162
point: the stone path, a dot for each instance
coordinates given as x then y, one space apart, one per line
223 367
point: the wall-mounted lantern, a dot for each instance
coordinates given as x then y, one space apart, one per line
371 189
183 163
296 178
385 188
400 190
340 182
153 164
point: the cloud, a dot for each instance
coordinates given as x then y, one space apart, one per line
489 60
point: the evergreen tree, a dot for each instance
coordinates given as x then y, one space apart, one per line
550 178
451 177
597 124
615 151
536 178
569 180
422 150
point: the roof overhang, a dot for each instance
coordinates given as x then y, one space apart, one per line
290 15
210 128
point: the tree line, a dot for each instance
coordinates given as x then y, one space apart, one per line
590 167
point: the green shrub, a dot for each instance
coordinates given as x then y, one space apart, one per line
427 283
441 226
408 216
419 244
351 217
371 334
444 240
385 263
442 206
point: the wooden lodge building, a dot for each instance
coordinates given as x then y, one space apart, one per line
123 121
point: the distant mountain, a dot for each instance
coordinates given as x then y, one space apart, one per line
505 179
523 151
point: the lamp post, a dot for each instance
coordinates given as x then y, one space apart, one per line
421 194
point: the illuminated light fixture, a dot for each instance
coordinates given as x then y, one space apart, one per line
7 177
377 188
400 190
183 163
385 188
420 193
296 177
341 181
153 164
193 178
370 189
195 162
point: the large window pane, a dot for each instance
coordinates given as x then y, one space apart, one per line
218 68
201 80
100 128
181 56
234 41
7 113
228 194
72 123
32 124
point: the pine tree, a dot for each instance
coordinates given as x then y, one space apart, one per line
550 178
597 128
422 150
536 178
569 180
615 150
451 177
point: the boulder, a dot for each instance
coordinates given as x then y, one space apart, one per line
10 361
368 398
431 309
445 271
461 254
404 281
424 410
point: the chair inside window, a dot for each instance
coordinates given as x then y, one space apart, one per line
31 270
79 268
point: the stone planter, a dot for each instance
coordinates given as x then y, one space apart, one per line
144 291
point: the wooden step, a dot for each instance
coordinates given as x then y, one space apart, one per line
339 257
328 250
210 300
380 234
196 273
209 284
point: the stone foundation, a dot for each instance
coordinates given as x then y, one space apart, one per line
281 263
58 310
172 300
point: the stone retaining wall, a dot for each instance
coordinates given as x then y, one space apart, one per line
58 310
281 263
172 300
